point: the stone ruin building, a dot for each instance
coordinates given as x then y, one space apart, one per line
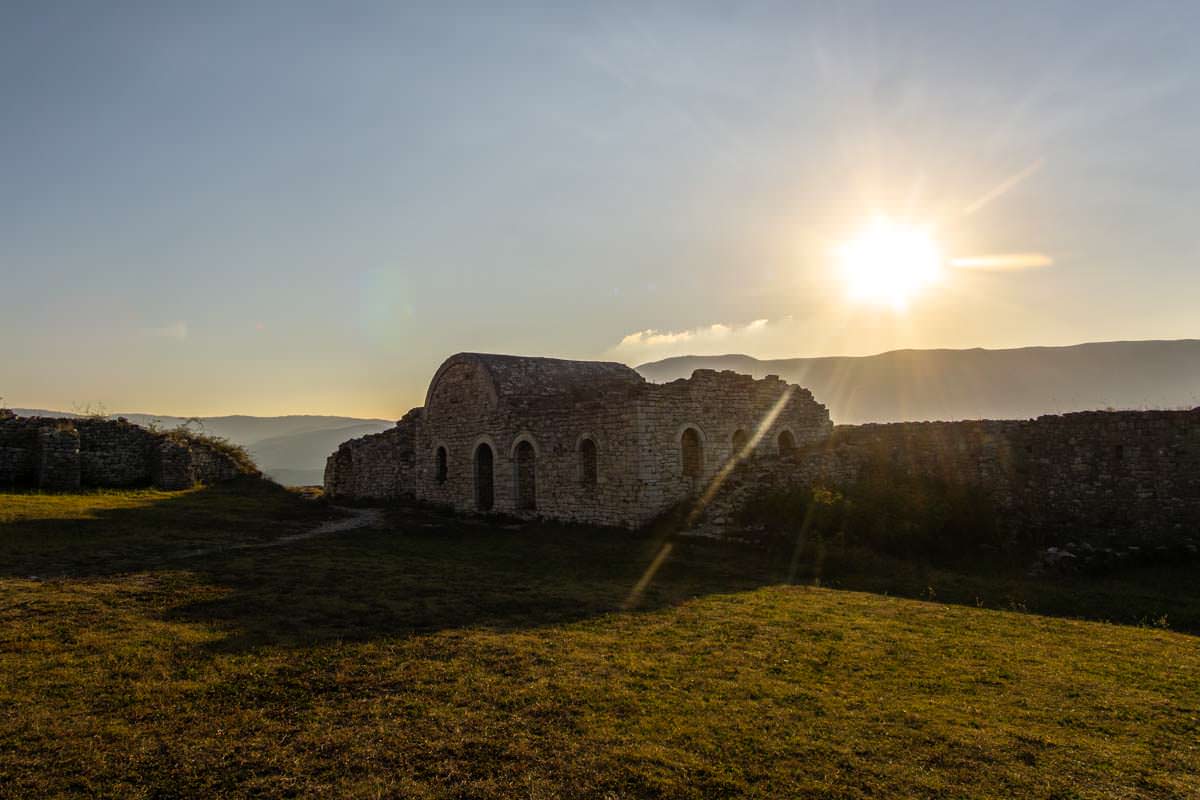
594 442
572 440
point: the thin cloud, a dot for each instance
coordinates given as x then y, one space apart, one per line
175 330
1004 262
642 344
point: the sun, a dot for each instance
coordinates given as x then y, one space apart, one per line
889 263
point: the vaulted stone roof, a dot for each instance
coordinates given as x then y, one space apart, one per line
516 378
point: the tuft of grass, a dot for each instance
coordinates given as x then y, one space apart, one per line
433 657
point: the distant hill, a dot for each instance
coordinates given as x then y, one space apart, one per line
290 449
305 452
978 384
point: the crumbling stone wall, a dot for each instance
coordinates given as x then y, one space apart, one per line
376 466
56 457
1135 473
735 416
114 452
69 454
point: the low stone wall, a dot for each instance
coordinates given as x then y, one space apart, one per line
1134 473
69 454
56 456
114 452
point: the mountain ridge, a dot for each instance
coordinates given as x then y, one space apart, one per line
1011 383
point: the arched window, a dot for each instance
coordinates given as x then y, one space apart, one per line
787 443
589 472
691 453
485 496
441 469
740 440
526 474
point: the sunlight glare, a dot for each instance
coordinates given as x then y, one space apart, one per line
888 263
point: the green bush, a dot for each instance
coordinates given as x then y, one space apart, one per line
886 510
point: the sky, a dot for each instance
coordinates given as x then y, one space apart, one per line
271 208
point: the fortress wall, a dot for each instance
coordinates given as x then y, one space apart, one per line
17 464
1102 470
69 454
56 458
114 452
1127 472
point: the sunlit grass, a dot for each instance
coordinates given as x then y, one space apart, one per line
16 506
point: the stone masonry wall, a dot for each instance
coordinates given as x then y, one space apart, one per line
720 406
1133 472
69 454
56 458
376 466
113 452
498 406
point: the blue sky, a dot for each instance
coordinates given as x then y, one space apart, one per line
273 208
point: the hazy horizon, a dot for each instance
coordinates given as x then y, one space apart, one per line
652 376
278 209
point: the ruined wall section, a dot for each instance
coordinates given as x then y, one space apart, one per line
17 461
69 454
724 407
115 453
56 458
1098 470
1128 472
377 466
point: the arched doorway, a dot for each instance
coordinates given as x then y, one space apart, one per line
787 443
589 472
525 459
691 450
441 470
485 494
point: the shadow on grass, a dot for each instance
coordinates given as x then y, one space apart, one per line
102 533
428 572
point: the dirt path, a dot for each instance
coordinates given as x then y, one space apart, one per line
359 518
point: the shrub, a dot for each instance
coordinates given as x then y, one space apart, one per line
235 452
886 510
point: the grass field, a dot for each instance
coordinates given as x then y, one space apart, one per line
446 658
